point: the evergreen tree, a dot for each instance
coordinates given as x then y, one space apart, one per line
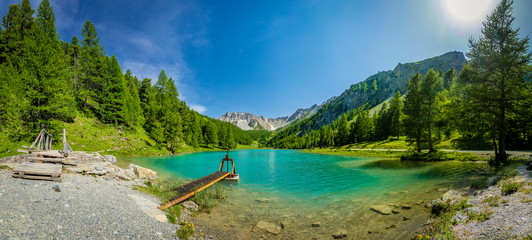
449 78
46 20
134 116
113 94
48 88
343 131
495 83
430 87
396 108
93 64
211 134
74 52
413 106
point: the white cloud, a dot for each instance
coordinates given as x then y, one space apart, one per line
198 108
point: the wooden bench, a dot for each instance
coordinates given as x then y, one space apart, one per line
39 171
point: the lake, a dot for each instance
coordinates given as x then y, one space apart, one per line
301 188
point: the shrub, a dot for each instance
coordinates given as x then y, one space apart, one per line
186 231
173 213
508 188
507 173
440 208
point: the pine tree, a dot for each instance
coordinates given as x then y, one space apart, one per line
93 65
113 94
449 78
48 88
343 131
499 62
413 106
134 116
430 87
396 108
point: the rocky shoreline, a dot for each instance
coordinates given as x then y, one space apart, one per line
95 200
491 213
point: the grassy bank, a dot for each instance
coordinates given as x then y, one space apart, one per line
391 153
90 135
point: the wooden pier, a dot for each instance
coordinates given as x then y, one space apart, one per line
38 171
188 190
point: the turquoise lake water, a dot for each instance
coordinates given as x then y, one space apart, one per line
319 179
295 187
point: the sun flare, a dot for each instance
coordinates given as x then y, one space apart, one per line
468 12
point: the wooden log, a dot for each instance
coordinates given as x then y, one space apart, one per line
191 188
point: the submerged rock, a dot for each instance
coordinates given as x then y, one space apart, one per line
382 209
316 224
406 206
451 196
285 225
268 227
190 205
339 234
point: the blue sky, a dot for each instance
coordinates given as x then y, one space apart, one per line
268 57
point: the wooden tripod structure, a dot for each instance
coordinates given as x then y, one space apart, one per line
232 176
43 141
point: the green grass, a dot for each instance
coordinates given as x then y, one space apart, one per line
206 198
358 153
5 167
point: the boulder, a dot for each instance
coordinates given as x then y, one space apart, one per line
144 173
432 203
451 196
268 227
190 205
382 209
339 234
110 158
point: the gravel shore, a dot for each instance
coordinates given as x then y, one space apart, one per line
510 218
85 207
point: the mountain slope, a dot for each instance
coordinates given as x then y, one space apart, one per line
248 121
373 90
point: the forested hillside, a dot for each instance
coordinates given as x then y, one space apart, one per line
486 104
368 94
45 82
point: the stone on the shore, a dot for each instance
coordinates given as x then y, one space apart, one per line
268 227
339 234
143 172
56 188
316 224
110 158
451 196
190 205
432 203
161 218
382 209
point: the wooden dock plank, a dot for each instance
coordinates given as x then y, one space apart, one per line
188 190
38 169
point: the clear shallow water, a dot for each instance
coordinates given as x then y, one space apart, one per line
300 186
